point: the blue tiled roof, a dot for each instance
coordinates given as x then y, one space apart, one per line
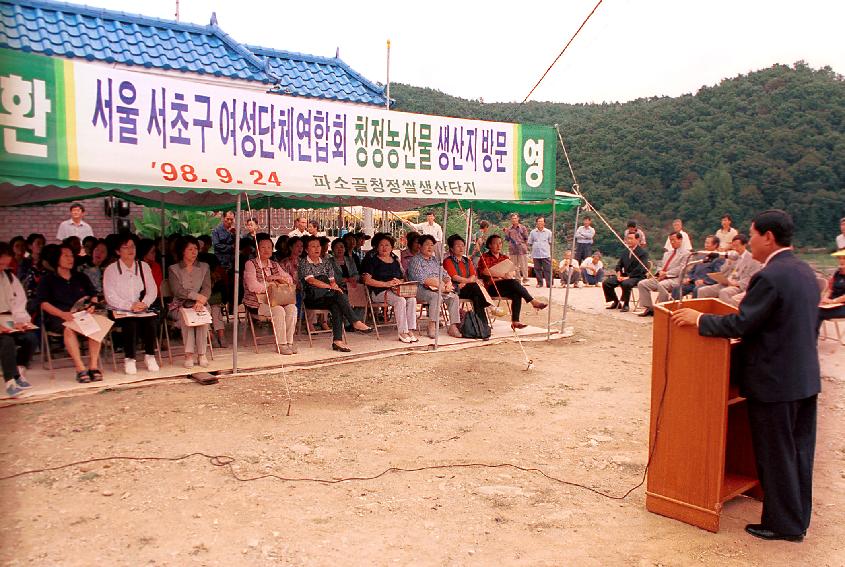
310 75
94 34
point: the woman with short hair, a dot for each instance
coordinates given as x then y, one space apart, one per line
58 291
130 291
261 272
190 282
99 260
321 291
17 340
463 274
507 287
382 274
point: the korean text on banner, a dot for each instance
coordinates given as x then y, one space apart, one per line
87 122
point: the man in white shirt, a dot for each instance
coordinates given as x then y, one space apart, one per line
584 236
74 226
540 245
592 269
300 226
678 227
726 233
430 227
840 240
569 270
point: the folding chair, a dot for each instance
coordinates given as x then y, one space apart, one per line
253 319
305 316
359 298
47 354
839 335
169 323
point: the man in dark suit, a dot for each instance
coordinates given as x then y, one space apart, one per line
630 270
778 373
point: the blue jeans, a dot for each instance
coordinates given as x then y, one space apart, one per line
590 279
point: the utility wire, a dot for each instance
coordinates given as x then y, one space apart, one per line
559 55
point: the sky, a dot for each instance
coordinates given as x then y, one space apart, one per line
497 50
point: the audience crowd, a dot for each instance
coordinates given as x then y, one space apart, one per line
50 288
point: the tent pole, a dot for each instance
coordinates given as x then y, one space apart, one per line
440 287
236 265
469 230
552 275
163 244
566 295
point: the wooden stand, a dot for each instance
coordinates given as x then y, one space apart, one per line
699 438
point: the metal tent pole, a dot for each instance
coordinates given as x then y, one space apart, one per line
440 286
552 275
566 295
236 265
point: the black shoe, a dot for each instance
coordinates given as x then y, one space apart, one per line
647 313
614 305
757 530
624 309
339 348
82 377
95 375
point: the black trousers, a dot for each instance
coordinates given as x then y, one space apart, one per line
16 350
610 283
513 290
338 306
131 327
784 439
473 292
583 250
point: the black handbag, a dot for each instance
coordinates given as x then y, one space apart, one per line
314 295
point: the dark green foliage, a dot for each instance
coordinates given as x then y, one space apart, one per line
772 138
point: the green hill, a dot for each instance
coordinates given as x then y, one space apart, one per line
772 138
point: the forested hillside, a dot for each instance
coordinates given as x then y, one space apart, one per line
772 138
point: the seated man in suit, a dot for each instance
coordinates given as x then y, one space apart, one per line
630 270
668 278
744 267
697 275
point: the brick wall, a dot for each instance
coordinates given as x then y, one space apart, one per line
45 219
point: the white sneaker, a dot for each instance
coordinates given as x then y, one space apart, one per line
129 366
580 285
151 362
203 361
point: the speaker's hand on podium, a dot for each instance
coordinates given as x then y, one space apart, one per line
685 316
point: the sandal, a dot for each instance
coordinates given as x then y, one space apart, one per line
94 375
82 377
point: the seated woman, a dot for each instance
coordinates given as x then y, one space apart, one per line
130 290
832 304
32 267
426 269
411 249
17 340
190 282
381 274
259 274
57 292
462 272
322 292
345 270
147 253
507 287
96 265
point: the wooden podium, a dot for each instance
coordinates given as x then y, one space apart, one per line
699 439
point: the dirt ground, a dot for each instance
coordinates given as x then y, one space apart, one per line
580 415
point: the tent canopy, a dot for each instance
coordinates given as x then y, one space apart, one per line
18 192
